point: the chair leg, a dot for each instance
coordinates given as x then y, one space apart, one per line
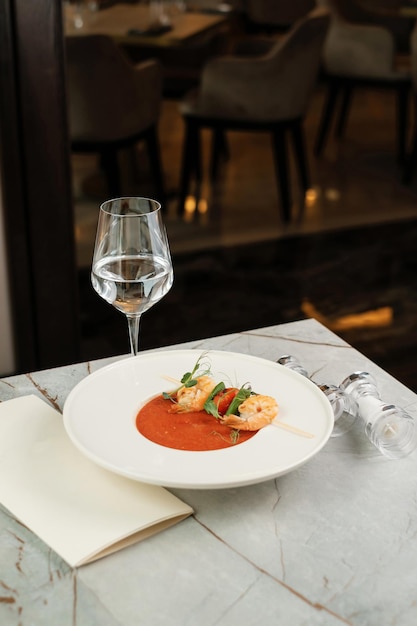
152 144
411 161
344 111
196 146
110 165
219 148
326 118
191 160
403 93
297 132
282 170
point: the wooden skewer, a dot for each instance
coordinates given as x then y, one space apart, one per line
172 380
293 429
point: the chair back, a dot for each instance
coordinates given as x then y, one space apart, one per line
363 51
276 86
109 99
360 13
297 61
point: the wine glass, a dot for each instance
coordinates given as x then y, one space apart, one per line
132 267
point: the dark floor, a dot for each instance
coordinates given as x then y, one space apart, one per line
348 259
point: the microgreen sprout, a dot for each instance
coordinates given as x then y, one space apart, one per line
234 436
189 379
210 406
244 392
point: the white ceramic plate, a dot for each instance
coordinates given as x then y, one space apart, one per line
100 412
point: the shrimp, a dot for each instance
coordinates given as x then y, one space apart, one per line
254 413
193 398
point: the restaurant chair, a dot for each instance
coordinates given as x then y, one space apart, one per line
113 105
266 93
386 15
356 56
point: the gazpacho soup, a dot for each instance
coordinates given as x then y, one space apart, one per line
202 414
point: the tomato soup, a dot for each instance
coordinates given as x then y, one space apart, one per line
185 431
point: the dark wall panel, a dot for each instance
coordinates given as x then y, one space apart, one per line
36 183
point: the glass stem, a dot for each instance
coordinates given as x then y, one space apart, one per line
133 323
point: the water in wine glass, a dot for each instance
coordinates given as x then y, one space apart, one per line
132 284
132 267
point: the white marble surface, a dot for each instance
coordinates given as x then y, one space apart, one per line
334 542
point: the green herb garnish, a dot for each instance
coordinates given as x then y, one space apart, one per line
209 405
244 392
234 435
189 379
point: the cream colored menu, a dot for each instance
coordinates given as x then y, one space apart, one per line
79 509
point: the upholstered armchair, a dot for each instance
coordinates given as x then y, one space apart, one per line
358 55
388 17
266 93
112 104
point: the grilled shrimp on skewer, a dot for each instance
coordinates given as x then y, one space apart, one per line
254 413
193 398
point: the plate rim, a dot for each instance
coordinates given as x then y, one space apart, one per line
158 353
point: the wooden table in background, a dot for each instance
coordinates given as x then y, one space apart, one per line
119 19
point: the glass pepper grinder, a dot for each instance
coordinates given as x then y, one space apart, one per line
391 429
345 407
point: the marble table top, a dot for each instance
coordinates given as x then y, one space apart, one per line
334 542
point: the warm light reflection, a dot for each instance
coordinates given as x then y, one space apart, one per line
311 196
190 206
332 194
376 318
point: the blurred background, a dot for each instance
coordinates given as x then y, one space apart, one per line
346 257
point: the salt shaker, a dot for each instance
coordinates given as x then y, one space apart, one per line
391 430
345 408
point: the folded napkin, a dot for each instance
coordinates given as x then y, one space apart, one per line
80 510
